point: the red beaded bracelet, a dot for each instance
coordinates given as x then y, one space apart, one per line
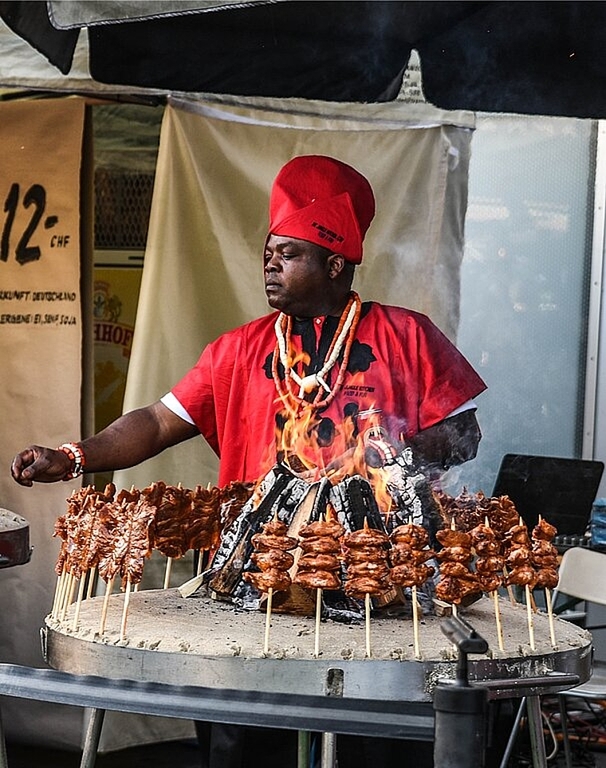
76 455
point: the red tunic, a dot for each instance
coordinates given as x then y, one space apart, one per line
400 363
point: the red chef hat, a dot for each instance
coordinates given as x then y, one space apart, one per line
324 201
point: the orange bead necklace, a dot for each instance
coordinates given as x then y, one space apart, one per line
343 338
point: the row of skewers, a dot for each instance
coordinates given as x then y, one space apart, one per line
482 547
369 562
111 536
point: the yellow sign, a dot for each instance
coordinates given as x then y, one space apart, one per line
116 292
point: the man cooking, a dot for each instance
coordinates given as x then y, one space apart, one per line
323 354
382 357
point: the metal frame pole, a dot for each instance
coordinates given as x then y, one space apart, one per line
91 741
535 729
303 741
329 750
3 757
591 414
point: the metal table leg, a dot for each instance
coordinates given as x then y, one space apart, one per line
513 735
535 728
329 750
302 749
3 757
564 726
91 741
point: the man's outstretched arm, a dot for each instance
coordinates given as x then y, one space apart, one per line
131 439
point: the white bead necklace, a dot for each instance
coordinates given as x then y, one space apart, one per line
314 381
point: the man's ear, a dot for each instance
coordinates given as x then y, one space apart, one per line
336 263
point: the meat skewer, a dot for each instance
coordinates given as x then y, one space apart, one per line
273 558
365 552
61 565
141 511
170 524
544 557
204 529
489 567
456 579
408 555
522 573
319 564
77 556
111 518
66 527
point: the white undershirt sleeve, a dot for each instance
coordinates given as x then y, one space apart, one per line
171 402
468 406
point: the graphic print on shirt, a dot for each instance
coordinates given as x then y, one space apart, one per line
315 349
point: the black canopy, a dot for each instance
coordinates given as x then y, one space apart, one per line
526 57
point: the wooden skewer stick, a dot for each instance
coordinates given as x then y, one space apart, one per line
497 609
533 603
71 588
497 616
548 603
552 634
270 595
318 616
58 591
453 527
57 585
108 590
91 582
512 598
79 602
530 619
367 612
125 609
169 566
415 622
63 594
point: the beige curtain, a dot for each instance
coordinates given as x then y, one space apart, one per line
40 375
202 271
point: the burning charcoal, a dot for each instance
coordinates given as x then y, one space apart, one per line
279 493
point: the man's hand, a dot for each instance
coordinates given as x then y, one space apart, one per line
447 443
40 465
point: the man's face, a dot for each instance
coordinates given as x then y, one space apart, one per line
297 277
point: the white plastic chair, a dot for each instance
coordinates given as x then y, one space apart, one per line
582 578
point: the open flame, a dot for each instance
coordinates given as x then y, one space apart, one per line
358 446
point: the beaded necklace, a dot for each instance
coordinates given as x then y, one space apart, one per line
344 334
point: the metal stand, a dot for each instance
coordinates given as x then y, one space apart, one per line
460 709
535 729
91 740
329 750
364 717
564 725
3 757
532 706
390 699
303 742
